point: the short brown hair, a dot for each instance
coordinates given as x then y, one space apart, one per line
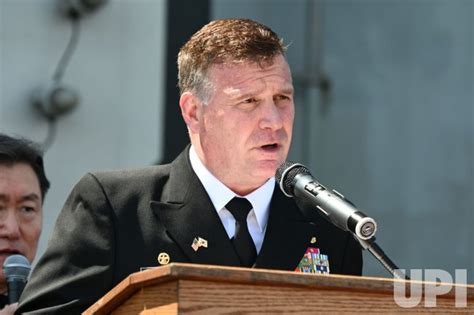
234 40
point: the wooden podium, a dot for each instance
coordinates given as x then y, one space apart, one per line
204 289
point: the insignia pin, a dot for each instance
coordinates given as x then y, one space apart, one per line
198 242
313 240
163 258
202 242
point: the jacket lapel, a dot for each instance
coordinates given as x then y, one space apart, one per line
187 213
287 237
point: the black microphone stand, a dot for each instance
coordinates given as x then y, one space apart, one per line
378 253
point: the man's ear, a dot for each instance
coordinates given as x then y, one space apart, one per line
190 109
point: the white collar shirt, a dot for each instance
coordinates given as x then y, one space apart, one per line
220 195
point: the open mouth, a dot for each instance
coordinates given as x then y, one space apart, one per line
270 147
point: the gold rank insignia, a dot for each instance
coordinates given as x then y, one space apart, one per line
163 258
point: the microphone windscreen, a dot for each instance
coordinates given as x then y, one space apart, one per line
286 173
16 266
16 269
280 170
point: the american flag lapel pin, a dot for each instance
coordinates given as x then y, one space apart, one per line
199 242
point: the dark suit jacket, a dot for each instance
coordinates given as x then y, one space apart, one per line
115 222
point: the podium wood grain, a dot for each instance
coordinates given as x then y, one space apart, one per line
204 289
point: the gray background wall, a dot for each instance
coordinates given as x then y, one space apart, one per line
117 69
394 132
397 133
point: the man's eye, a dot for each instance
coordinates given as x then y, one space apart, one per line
282 97
249 100
27 209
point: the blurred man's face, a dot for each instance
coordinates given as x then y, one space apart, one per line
21 213
245 129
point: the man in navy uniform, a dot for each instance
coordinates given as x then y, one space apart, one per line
216 203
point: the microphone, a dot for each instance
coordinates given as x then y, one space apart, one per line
16 269
295 180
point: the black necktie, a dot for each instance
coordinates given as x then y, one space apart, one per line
243 243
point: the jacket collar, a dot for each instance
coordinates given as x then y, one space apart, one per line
187 213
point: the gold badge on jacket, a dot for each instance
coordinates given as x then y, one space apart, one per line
163 258
314 262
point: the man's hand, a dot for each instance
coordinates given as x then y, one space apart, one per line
9 309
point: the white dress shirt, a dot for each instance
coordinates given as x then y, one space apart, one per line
220 195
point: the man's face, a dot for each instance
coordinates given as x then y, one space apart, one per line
245 129
21 212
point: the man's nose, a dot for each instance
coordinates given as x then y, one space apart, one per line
9 225
271 116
